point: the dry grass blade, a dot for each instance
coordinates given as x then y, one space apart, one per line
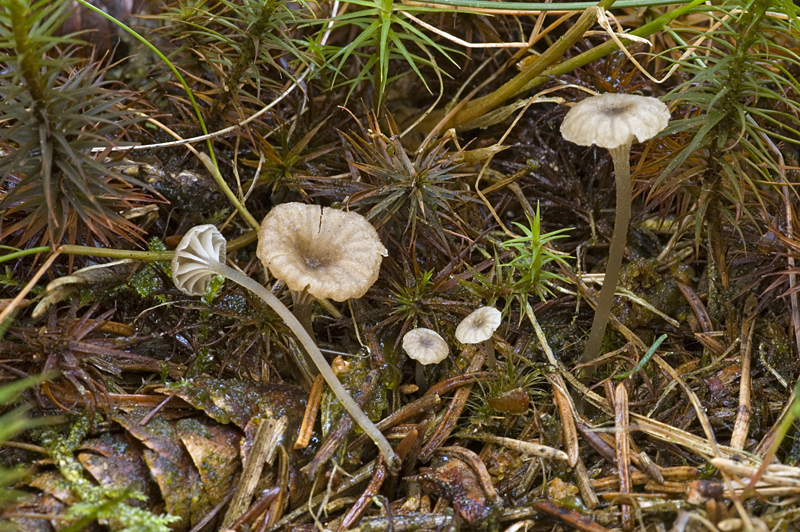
657 429
742 425
532 449
621 421
563 401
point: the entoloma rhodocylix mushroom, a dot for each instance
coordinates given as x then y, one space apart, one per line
319 252
612 121
199 257
479 327
425 346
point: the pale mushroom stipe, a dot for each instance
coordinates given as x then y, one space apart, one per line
479 327
612 121
319 252
198 258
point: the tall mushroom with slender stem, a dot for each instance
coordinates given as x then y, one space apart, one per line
199 257
612 121
320 253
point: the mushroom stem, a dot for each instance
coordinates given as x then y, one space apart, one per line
622 172
419 376
491 361
302 308
311 348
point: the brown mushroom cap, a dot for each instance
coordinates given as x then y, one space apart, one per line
425 346
331 253
613 120
479 326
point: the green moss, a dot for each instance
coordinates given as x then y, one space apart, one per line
149 279
97 503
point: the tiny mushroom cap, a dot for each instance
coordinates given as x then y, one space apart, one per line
190 270
479 326
425 346
613 120
331 253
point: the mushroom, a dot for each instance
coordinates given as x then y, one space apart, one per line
612 121
199 257
478 327
425 346
319 252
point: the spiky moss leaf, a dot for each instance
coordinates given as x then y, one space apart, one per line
52 184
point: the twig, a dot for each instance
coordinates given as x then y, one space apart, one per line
561 396
571 517
363 501
310 415
563 401
478 467
468 377
348 483
699 309
266 499
423 404
340 432
454 410
461 42
656 428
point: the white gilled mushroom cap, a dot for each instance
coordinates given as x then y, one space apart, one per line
479 326
425 346
190 271
613 120
331 253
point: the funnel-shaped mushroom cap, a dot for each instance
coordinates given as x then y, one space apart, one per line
200 245
478 326
613 120
332 253
425 346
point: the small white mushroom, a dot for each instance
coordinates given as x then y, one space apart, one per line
479 327
425 346
200 246
199 257
612 121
